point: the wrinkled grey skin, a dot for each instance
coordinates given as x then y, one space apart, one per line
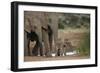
40 20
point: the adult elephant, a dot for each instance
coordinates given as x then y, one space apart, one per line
54 26
41 21
31 19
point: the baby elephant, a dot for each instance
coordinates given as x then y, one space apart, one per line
59 48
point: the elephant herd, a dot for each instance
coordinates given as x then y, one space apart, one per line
41 34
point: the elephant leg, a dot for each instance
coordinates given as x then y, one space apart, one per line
55 36
31 46
35 51
40 46
29 53
50 42
25 44
46 43
40 49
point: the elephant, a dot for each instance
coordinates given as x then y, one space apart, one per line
59 47
33 43
54 26
41 21
31 20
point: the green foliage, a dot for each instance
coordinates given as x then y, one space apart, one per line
85 45
72 20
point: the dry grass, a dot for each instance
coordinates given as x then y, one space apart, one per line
74 35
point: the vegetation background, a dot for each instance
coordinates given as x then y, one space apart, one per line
76 27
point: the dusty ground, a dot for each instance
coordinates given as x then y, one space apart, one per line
38 58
